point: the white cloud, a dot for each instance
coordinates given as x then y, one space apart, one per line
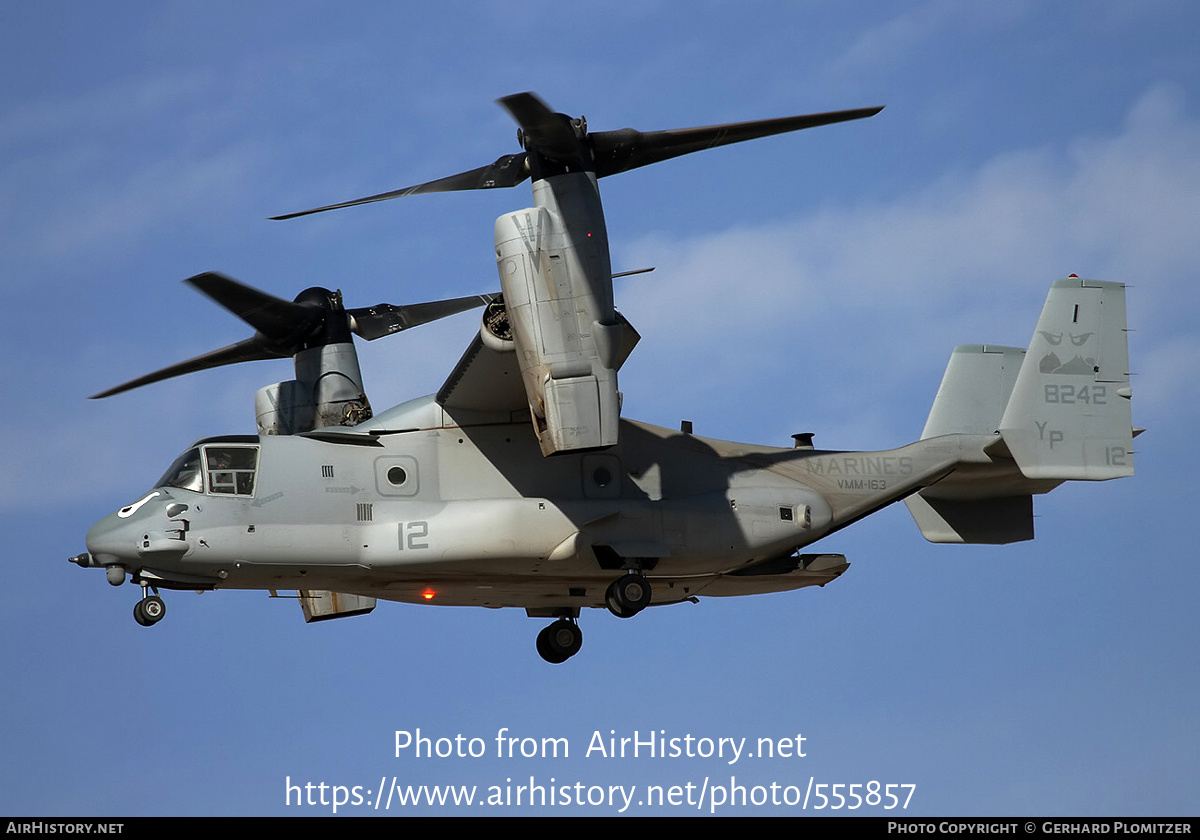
906 36
869 297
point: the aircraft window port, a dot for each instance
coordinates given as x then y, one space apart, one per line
397 476
786 514
231 469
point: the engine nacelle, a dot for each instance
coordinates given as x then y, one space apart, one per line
327 391
557 286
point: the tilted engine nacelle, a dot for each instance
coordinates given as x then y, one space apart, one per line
553 259
556 283
327 391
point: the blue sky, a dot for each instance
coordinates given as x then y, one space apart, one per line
808 282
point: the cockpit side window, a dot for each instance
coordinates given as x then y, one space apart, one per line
231 469
184 473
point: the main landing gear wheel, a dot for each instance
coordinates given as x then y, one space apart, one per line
150 610
628 595
560 641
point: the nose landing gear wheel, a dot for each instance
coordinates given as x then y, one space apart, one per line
560 641
627 596
150 610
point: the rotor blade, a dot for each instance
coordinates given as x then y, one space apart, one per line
506 171
249 350
549 132
634 271
372 322
274 317
627 148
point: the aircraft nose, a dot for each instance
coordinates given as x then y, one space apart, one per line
111 540
150 529
114 538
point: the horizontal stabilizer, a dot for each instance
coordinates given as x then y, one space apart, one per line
1007 519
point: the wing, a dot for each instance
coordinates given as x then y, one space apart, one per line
487 379
484 379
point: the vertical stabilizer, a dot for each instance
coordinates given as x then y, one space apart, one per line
1061 409
1069 413
975 389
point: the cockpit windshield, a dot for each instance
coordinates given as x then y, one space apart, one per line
184 473
221 469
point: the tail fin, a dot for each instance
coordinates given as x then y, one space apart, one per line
975 389
1061 409
1069 414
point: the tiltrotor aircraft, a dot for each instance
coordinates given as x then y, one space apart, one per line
518 484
